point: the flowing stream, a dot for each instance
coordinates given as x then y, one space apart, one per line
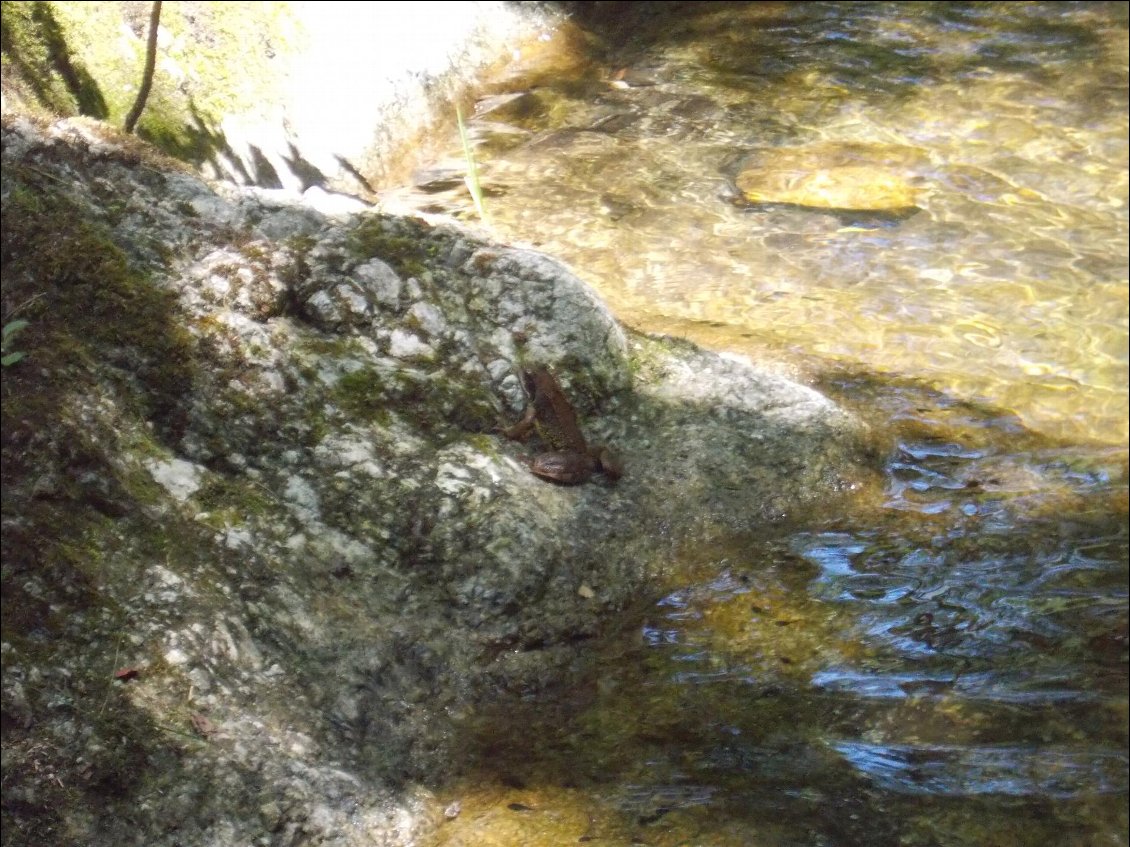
945 661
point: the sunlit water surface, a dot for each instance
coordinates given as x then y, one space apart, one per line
944 662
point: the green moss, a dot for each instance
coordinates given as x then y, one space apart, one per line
231 502
44 771
300 245
363 394
440 404
64 568
485 444
338 347
108 364
86 306
39 59
70 58
101 336
408 256
444 404
437 402
187 209
106 359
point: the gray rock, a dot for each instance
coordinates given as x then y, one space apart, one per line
380 281
327 553
178 477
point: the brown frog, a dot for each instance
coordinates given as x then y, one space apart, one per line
568 460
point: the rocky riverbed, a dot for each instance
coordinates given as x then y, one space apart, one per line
265 548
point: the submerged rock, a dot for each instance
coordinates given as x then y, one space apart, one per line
850 177
322 553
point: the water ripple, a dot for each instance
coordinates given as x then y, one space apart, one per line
950 771
1021 687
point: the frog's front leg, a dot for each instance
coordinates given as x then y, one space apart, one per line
521 430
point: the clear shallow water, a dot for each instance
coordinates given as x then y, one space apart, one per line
1009 285
944 662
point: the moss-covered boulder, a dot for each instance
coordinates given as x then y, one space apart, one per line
265 549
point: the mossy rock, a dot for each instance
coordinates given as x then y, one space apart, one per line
63 58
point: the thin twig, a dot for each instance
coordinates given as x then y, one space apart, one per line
147 74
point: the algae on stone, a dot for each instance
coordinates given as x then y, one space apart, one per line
850 177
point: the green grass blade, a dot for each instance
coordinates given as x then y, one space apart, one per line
472 177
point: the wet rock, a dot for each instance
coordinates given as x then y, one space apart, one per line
856 177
